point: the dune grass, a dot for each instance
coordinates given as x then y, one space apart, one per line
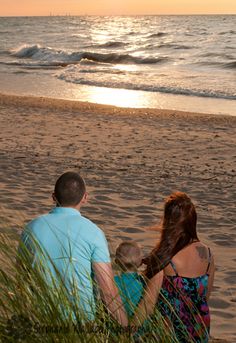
34 309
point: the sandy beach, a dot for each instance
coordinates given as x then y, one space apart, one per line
131 160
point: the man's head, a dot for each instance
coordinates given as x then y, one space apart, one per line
129 256
69 190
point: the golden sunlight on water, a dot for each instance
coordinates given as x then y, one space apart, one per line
126 67
115 97
139 99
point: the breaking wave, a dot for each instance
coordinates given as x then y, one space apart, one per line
54 57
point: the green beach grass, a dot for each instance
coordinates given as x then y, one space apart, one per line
35 310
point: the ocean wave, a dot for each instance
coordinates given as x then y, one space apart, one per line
183 47
132 33
105 71
231 32
230 65
163 46
110 44
222 65
230 47
25 51
35 65
174 46
147 88
214 54
211 54
156 35
121 58
17 72
4 52
55 57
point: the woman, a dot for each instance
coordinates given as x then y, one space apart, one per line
183 268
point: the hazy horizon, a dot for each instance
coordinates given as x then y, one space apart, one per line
118 15
13 8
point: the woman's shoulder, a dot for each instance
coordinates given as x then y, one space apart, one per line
197 249
193 260
202 252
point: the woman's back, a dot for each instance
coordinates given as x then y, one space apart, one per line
184 293
192 261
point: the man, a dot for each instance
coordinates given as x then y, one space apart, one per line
74 249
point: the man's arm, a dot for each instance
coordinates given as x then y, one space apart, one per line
109 292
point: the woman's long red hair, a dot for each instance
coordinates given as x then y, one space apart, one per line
178 230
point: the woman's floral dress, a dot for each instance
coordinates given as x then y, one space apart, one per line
182 303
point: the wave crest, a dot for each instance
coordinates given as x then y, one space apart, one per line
63 58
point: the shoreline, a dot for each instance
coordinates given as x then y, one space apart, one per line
93 108
131 160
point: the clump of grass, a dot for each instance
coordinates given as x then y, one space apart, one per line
32 309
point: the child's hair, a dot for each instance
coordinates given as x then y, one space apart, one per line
128 256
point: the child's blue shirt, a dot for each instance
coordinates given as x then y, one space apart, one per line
131 287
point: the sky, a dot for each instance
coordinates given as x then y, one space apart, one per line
115 7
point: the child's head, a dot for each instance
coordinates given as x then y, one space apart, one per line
129 256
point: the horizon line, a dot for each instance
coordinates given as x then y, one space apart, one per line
114 15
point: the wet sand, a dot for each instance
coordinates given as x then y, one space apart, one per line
131 160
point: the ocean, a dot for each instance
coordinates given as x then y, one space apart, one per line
172 62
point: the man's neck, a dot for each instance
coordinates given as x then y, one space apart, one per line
77 207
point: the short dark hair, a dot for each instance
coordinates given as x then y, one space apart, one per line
69 189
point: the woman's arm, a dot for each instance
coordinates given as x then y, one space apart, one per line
148 302
211 277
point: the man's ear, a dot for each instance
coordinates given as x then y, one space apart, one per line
84 199
54 197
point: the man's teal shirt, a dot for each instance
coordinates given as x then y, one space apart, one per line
70 244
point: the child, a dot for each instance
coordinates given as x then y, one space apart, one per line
129 282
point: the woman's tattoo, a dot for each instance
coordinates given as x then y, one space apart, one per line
202 251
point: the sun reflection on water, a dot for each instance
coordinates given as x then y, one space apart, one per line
126 67
115 97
